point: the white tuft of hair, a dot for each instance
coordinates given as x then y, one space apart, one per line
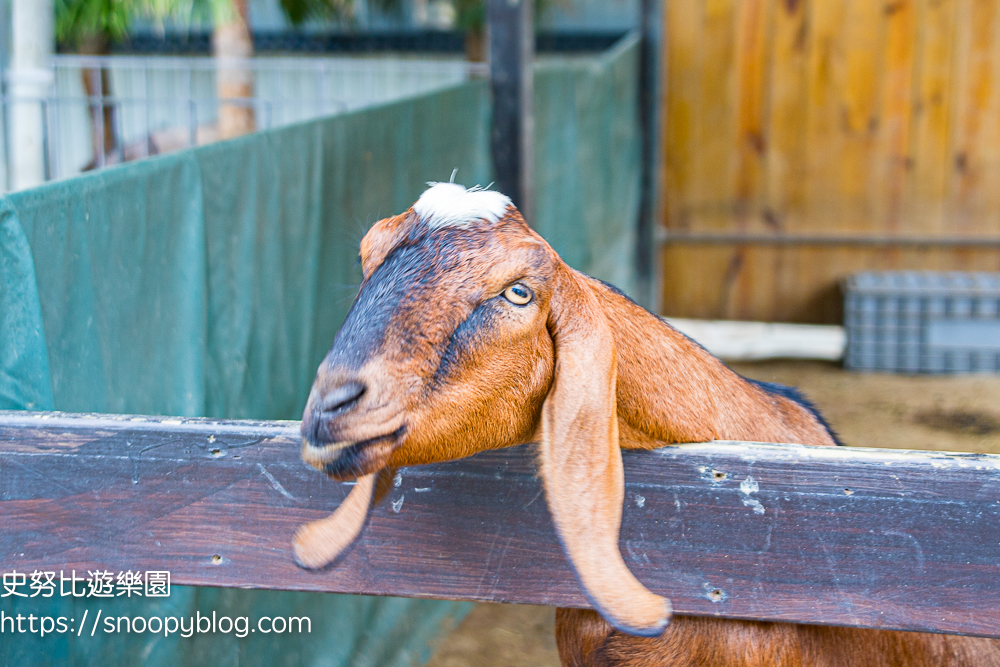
451 205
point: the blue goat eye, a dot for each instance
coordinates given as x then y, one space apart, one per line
518 294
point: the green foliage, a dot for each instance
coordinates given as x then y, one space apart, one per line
299 11
471 14
77 20
110 19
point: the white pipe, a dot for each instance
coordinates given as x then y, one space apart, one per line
30 79
748 341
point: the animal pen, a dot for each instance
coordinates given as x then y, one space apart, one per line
218 305
224 291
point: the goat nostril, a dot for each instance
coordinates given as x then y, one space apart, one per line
342 397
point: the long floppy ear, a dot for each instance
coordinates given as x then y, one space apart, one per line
581 462
318 543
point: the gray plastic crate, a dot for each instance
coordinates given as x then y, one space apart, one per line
923 322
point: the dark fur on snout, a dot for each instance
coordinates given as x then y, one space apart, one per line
356 459
427 309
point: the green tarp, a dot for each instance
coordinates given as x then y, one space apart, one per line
212 281
587 161
24 360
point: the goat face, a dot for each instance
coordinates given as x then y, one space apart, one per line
444 352
469 333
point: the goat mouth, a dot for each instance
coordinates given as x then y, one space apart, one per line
328 456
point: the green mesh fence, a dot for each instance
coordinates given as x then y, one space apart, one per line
212 281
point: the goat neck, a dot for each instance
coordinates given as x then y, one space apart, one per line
670 389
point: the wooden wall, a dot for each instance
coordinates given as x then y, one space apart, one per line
824 117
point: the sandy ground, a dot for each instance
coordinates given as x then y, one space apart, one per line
501 635
952 413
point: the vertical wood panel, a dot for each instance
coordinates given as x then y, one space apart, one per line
894 128
751 71
751 107
714 158
926 187
971 189
679 111
864 34
823 138
785 193
822 117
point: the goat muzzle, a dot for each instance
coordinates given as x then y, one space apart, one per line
349 459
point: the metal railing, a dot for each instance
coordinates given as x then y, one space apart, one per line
153 105
188 132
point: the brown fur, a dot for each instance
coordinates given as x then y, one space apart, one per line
449 368
585 639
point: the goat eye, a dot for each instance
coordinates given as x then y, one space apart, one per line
518 294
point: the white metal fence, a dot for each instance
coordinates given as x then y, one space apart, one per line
157 104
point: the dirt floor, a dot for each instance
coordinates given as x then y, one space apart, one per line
952 413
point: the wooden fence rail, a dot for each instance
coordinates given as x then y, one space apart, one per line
861 537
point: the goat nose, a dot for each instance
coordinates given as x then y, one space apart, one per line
342 397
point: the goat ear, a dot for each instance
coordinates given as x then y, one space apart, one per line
318 543
379 241
581 462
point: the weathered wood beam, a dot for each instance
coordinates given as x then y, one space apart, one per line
861 537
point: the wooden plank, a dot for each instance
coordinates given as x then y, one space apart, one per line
926 188
864 33
733 340
824 82
786 166
973 204
819 266
716 128
752 49
703 294
751 101
861 537
894 126
679 114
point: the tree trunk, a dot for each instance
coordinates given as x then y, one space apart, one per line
233 45
475 45
103 117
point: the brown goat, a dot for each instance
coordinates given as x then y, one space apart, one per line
470 333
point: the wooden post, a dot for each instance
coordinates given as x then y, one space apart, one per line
511 48
647 255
